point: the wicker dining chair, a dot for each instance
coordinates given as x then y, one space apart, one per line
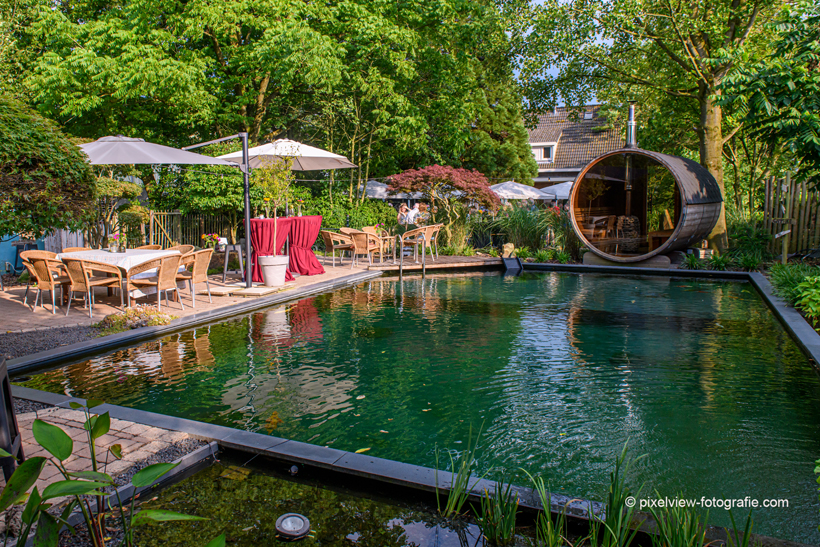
364 244
183 249
384 239
83 280
431 237
164 281
47 281
150 247
76 249
412 238
334 241
55 266
198 263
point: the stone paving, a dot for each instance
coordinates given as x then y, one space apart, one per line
138 443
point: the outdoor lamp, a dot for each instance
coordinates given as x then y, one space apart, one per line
292 527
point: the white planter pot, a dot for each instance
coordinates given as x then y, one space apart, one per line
273 269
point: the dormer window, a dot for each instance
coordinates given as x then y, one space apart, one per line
544 153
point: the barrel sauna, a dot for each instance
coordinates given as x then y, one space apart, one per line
631 204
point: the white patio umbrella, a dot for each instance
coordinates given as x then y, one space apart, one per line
560 191
515 190
120 150
305 158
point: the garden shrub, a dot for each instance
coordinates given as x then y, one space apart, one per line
748 236
808 298
45 181
786 277
692 262
565 239
719 262
542 256
342 213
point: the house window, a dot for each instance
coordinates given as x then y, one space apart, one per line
543 152
548 153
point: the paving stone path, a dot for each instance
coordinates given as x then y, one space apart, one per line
139 442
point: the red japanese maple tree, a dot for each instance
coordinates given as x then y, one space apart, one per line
447 189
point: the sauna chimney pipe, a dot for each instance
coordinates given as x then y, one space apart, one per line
630 143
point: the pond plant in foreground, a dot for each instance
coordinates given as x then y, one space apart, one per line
82 486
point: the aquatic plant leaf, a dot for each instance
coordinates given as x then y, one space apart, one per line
359 451
101 426
116 450
217 542
147 476
157 515
33 504
75 406
53 439
23 478
4 454
91 403
71 488
48 531
93 476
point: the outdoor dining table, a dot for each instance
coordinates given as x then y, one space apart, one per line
124 261
301 233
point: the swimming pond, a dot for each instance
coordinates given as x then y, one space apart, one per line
560 370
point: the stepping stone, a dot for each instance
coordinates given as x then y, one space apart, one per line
221 291
259 291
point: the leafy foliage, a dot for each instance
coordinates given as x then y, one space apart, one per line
787 277
564 237
808 298
45 182
780 96
719 262
692 262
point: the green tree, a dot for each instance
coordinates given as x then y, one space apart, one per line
615 50
117 209
779 98
45 180
499 145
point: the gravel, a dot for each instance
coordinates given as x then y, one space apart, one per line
21 406
18 344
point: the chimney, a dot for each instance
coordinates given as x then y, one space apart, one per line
631 137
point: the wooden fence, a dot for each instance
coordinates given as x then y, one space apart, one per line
61 239
790 215
169 228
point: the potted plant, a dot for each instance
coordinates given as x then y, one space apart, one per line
274 179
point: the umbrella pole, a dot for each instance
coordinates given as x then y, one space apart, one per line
246 170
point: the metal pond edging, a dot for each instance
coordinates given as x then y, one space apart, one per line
373 468
189 463
114 341
804 335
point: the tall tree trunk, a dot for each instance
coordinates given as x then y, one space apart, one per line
711 156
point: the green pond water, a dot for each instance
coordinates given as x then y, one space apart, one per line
244 503
559 369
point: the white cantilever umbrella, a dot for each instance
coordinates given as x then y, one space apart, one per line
515 190
560 191
305 158
121 150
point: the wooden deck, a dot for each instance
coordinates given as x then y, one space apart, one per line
441 263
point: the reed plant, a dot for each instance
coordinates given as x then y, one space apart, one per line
719 262
461 469
678 527
498 513
736 538
522 227
549 533
559 223
620 525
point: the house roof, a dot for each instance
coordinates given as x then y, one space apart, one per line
579 140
